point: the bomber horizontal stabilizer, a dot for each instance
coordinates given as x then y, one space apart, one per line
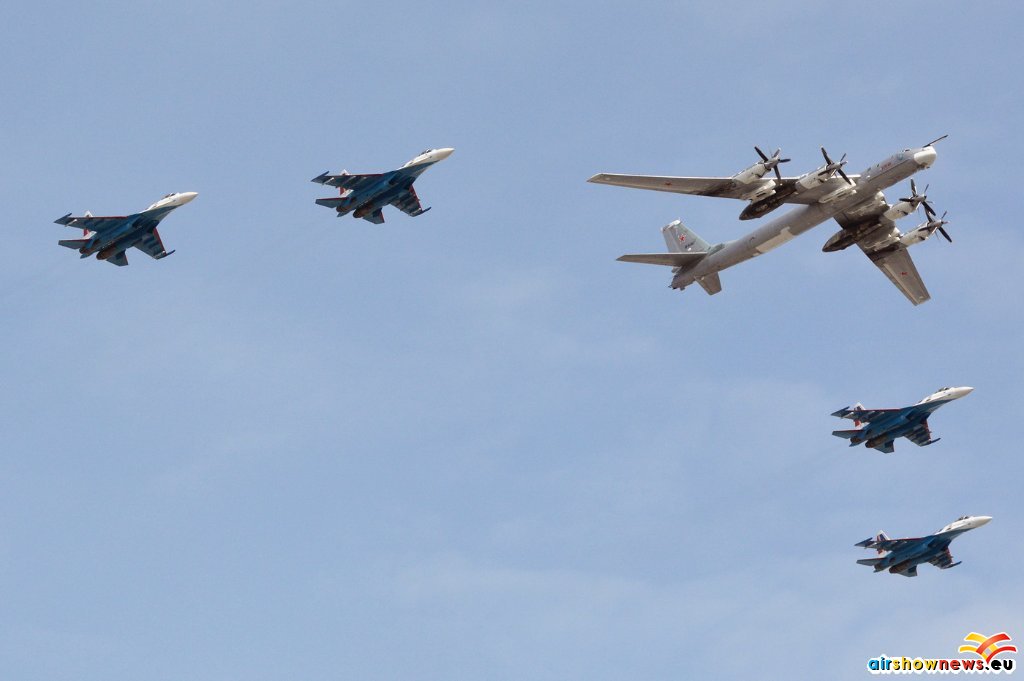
667 259
711 283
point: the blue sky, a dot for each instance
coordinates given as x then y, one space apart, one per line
471 444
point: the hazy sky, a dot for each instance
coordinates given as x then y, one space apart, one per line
471 445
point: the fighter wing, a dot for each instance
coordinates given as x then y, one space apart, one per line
899 267
889 544
863 415
944 560
920 436
723 187
152 245
93 223
409 203
347 181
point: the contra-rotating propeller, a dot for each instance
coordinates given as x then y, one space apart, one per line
773 162
832 167
916 200
934 224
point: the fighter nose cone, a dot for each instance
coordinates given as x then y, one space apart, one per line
961 392
980 520
442 154
185 197
925 157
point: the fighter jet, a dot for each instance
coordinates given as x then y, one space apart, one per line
109 237
883 426
855 201
902 556
366 195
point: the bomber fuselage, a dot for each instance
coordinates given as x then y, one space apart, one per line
866 192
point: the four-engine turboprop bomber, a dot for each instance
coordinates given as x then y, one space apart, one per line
855 201
902 556
366 195
109 237
878 428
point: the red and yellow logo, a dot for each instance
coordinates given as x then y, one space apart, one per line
987 646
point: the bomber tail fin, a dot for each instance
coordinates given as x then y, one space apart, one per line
682 239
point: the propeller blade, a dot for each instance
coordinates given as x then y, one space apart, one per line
928 210
760 153
913 188
848 180
825 154
778 175
945 234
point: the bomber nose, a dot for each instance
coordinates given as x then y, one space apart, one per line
925 157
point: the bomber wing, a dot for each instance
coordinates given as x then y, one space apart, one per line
723 187
93 223
348 181
152 245
899 267
409 203
879 239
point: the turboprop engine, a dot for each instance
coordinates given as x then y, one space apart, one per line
764 195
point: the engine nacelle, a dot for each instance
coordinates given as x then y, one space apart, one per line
751 174
916 235
838 241
899 211
761 190
813 179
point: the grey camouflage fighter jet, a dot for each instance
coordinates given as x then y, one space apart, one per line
878 428
366 195
856 202
902 556
109 237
